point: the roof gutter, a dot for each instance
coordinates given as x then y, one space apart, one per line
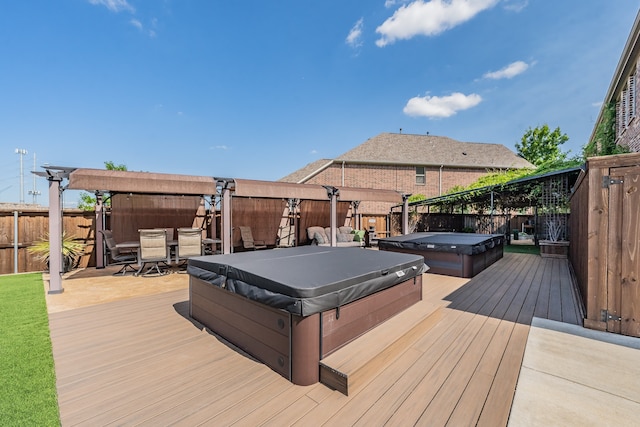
437 165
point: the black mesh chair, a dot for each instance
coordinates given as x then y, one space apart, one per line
126 259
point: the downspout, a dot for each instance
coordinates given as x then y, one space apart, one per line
440 189
342 174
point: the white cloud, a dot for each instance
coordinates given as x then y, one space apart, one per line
429 18
438 107
354 39
136 23
150 32
221 147
391 3
114 5
508 72
516 5
314 151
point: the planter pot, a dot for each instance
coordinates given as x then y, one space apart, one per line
551 249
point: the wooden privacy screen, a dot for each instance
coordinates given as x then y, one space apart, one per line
318 213
131 212
262 215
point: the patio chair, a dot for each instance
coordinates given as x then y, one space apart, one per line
189 244
126 259
247 239
153 250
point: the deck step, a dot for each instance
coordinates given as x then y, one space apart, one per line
355 364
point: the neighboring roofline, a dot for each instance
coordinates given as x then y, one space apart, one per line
631 48
314 173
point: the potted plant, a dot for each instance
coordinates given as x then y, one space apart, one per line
72 250
553 247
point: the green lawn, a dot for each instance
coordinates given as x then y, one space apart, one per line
28 394
522 249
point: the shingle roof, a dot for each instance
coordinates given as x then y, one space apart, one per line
311 168
420 150
405 149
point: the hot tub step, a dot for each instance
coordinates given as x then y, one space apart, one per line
356 363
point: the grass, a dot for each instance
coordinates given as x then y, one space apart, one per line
28 394
522 249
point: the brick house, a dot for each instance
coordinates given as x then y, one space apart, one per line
623 91
413 164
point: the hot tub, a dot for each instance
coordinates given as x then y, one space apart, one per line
451 254
291 307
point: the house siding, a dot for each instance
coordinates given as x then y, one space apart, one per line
629 136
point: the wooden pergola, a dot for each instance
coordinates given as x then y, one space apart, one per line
101 182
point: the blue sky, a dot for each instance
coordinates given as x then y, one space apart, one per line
257 89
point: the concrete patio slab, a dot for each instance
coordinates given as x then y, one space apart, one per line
576 376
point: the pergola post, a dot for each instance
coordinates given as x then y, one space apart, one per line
357 219
55 236
405 213
226 186
55 175
100 262
491 216
333 193
293 206
212 213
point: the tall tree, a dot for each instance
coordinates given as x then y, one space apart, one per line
541 146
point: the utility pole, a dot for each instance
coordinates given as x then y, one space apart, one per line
35 193
21 152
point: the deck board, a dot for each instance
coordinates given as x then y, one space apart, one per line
142 361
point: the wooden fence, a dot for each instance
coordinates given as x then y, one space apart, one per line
605 242
32 225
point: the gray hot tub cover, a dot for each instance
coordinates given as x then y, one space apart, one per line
459 243
308 279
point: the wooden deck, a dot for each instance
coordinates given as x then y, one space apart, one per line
142 361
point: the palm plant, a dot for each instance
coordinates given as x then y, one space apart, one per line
72 250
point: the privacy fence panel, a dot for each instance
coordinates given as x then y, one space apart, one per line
605 242
33 225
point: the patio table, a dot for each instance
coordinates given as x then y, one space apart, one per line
213 243
136 245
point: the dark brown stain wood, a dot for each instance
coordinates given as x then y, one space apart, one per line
605 234
360 316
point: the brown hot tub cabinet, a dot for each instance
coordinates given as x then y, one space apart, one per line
289 308
451 254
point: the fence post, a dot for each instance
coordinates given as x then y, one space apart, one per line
16 245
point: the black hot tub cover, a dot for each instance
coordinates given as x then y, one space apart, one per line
459 243
308 279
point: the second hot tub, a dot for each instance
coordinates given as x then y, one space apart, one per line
451 254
